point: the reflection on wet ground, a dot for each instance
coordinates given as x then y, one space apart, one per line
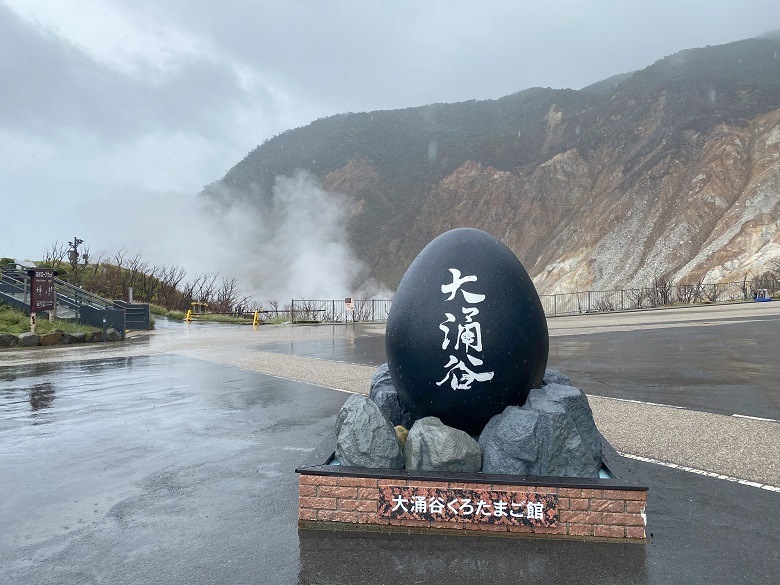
152 469
24 391
353 349
447 560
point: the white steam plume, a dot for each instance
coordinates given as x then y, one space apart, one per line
293 245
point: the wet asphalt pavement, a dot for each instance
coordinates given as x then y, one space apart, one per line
157 467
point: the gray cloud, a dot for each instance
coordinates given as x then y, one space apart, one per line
369 55
82 136
54 86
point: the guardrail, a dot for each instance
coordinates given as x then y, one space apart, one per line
73 302
666 295
337 311
595 301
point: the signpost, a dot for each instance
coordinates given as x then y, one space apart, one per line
41 293
349 307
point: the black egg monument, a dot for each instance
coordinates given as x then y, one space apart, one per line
466 336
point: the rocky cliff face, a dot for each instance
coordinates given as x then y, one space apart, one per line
673 172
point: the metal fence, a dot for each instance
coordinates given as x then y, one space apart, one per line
336 311
594 301
665 295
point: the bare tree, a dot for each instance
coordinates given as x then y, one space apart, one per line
54 255
226 296
662 287
170 280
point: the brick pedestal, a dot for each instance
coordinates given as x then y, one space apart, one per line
334 497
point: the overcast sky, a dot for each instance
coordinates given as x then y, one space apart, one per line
115 113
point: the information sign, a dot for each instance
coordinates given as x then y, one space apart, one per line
41 289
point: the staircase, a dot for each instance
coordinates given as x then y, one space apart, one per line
73 302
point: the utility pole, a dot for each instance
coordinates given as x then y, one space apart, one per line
73 252
74 257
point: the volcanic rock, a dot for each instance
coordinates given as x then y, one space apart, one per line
364 437
549 436
575 403
555 377
383 393
433 446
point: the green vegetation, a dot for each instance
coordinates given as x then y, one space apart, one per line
111 276
163 312
215 318
211 317
16 322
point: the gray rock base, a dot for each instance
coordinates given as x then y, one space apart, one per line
364 437
555 377
433 446
552 434
8 340
575 403
383 393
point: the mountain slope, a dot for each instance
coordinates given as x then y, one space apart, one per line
672 171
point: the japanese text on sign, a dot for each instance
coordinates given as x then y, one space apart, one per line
468 340
42 290
492 507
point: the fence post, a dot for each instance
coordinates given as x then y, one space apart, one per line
292 310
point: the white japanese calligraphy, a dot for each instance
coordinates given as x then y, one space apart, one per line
453 287
468 377
468 339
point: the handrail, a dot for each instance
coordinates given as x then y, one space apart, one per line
67 294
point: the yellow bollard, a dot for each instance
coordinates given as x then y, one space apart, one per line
256 319
188 317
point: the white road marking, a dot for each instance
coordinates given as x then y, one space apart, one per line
756 418
763 486
759 418
638 402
